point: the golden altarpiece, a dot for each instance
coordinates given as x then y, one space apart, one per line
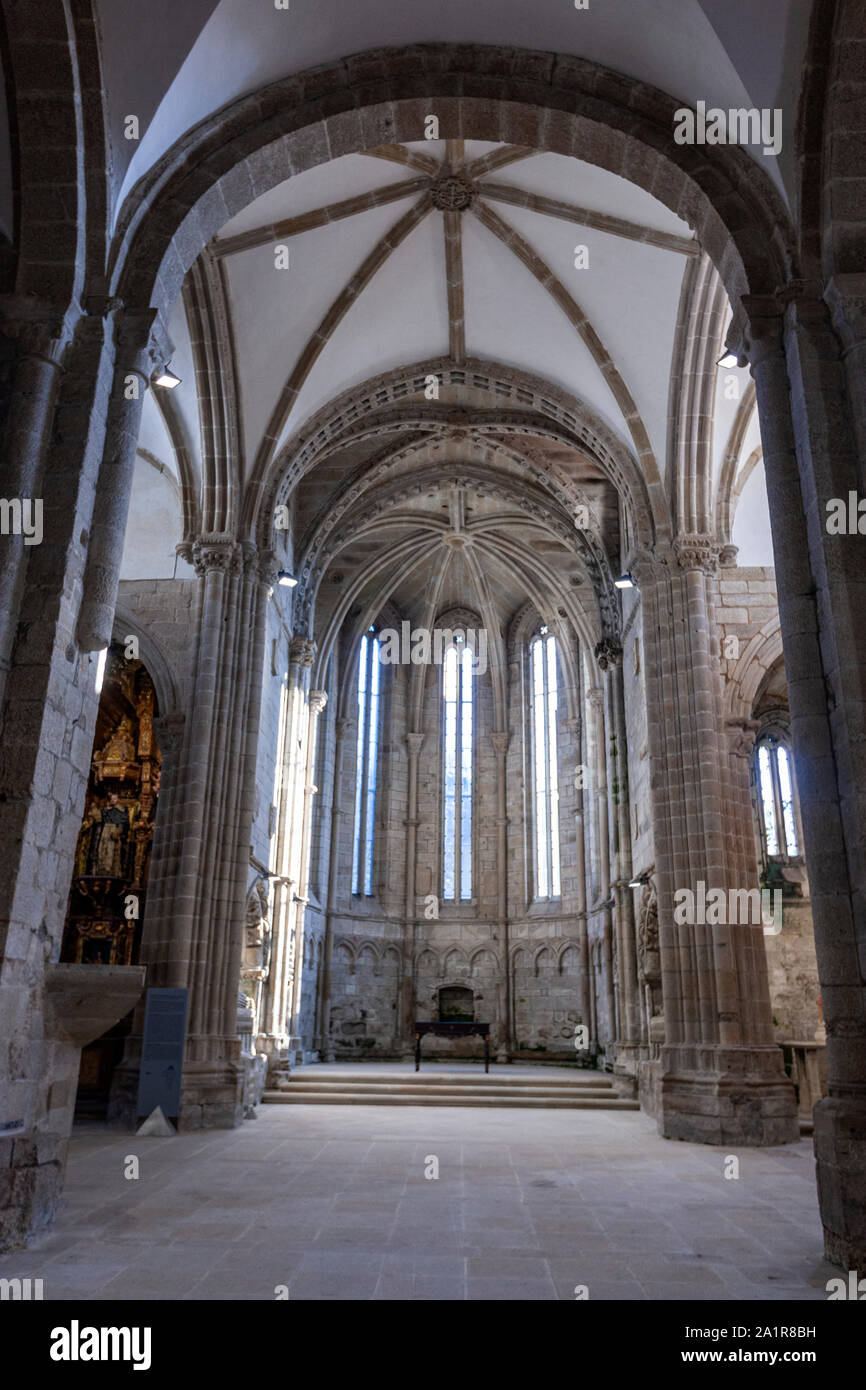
112 857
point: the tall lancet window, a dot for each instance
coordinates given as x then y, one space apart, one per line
776 799
369 679
545 782
457 774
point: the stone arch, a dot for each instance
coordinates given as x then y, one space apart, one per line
156 662
756 660
58 242
543 959
454 959
569 959
428 960
484 959
725 496
366 953
344 956
550 102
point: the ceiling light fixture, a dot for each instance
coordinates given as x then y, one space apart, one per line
625 581
286 580
728 359
166 378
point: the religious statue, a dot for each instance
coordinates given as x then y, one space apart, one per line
105 839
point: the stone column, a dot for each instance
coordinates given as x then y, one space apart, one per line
195 921
316 703
506 1039
136 355
48 721
345 731
575 728
722 1079
414 742
41 334
811 409
609 657
277 1036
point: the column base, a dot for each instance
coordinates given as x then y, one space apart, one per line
840 1157
737 1096
212 1095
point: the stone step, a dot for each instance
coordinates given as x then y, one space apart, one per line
408 1088
351 1096
583 1079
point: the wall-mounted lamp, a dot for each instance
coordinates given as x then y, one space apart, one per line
166 378
639 881
286 580
728 359
625 581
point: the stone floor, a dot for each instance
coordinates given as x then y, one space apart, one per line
333 1202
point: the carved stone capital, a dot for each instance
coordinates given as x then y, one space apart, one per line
742 734
141 342
500 742
302 652
216 552
268 568
37 328
414 742
697 552
317 701
761 317
608 653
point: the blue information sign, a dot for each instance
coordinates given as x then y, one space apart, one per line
162 1052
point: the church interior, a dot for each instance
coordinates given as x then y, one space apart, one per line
432 677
